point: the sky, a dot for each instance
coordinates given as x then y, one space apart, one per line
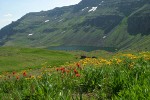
11 10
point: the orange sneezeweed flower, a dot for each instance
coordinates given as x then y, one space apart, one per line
17 77
57 69
67 71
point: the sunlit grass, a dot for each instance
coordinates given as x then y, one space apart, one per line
124 76
13 58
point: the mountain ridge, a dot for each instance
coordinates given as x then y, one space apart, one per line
102 23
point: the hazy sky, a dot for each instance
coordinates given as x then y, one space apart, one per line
11 10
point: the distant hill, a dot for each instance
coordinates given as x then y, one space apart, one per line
122 24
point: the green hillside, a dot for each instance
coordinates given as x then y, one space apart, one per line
15 59
102 23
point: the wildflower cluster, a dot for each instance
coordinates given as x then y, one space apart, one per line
70 70
124 76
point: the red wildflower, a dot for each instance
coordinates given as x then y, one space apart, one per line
75 71
78 65
63 71
14 73
62 68
24 74
77 75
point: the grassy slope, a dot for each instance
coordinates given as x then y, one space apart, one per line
12 58
70 31
122 39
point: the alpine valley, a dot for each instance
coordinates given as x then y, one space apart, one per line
121 24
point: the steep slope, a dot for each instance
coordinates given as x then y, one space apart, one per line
103 23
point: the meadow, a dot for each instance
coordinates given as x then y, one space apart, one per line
16 58
117 76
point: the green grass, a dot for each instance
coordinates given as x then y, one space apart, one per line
13 58
126 80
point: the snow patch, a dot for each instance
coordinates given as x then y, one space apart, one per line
30 34
104 37
93 9
46 21
101 3
85 8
